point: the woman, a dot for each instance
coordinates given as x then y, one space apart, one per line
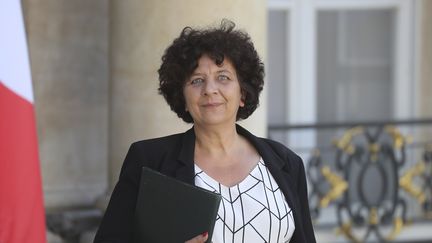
212 78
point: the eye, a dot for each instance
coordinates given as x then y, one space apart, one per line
196 81
223 77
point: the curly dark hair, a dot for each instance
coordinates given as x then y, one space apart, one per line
181 59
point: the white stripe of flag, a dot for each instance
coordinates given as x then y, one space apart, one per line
14 69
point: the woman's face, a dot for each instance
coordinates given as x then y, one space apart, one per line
212 93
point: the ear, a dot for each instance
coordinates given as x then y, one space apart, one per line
242 99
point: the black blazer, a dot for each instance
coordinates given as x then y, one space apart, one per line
174 156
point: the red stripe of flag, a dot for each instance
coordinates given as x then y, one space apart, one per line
22 218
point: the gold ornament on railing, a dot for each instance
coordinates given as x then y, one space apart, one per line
346 230
337 186
344 143
397 228
406 182
373 216
399 140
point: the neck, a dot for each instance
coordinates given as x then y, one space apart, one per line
216 140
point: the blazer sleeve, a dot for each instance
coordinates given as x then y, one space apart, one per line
117 222
304 203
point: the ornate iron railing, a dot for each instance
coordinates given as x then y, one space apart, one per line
371 177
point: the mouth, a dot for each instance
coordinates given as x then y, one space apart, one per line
210 105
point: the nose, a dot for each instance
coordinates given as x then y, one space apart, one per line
210 87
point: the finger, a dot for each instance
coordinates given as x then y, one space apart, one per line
205 236
199 238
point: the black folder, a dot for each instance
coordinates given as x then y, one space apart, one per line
171 211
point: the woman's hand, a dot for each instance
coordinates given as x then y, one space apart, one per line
199 239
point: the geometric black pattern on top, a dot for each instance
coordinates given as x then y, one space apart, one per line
253 211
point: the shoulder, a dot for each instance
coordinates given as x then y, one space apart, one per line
156 144
287 155
278 147
150 152
154 149
274 151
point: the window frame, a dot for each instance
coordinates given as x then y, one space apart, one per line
302 55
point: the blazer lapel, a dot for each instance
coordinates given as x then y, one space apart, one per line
280 172
185 170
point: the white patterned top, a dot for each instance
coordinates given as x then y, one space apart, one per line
253 211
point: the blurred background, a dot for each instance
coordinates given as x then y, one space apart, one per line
348 87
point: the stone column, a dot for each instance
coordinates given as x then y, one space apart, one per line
69 59
140 31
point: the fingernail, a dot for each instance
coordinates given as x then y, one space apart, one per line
204 234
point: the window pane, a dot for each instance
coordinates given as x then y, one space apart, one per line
277 69
277 73
354 65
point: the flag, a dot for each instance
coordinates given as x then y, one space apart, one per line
22 216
